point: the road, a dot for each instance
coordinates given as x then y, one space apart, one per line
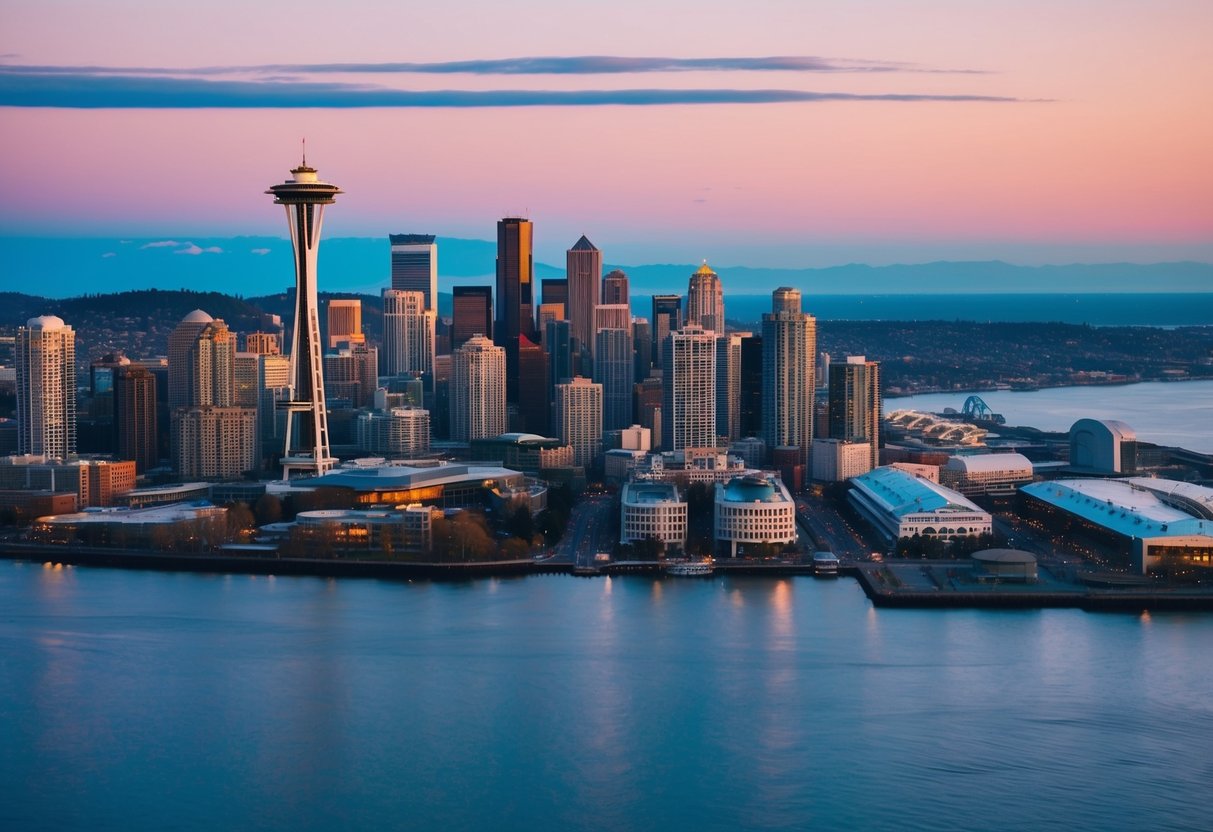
587 532
831 530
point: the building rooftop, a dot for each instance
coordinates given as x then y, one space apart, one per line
197 317
1123 506
583 245
46 322
753 488
411 239
902 493
172 513
650 492
401 477
989 463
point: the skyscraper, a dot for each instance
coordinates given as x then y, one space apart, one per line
201 356
642 344
344 321
534 413
556 290
577 411
415 266
613 370
408 333
688 403
515 294
789 350
584 274
615 288
728 385
667 317
750 409
854 403
46 388
477 390
705 300
557 341
135 425
306 445
613 316
472 314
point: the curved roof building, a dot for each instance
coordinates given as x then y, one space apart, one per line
754 509
902 504
1105 445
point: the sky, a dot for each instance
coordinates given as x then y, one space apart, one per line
771 133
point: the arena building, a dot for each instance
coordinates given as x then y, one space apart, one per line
900 505
1151 524
754 509
373 482
652 510
189 526
995 475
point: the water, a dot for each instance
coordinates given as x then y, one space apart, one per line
1165 413
149 701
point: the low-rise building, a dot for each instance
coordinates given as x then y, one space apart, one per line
526 452
752 510
374 482
1150 524
995 475
900 504
403 531
97 482
181 526
653 511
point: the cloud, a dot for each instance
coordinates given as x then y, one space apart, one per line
260 251
195 250
163 244
549 65
84 91
109 254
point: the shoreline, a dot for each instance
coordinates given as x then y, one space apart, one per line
1037 388
1087 598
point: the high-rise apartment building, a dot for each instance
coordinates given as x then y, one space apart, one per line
477 390
789 351
415 266
855 404
728 385
344 321
352 372
688 403
306 444
472 314
613 316
705 300
397 433
46 388
201 362
615 288
577 416
667 317
613 370
264 343
408 334
215 443
647 395
136 432
584 275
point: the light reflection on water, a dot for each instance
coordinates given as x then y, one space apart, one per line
136 700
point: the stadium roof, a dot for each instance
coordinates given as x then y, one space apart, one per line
900 492
1121 506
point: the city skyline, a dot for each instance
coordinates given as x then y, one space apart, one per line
1021 134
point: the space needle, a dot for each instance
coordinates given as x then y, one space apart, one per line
307 433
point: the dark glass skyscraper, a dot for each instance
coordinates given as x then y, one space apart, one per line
751 386
515 294
472 314
667 318
415 266
556 290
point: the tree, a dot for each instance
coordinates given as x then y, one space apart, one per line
521 524
267 509
240 521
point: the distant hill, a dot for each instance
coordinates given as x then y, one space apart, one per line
259 266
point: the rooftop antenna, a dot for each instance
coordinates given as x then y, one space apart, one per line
304 141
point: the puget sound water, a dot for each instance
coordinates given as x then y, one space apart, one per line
137 700
1166 413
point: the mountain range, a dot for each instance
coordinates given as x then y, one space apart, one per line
247 266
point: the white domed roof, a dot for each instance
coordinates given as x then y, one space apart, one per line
46 322
197 317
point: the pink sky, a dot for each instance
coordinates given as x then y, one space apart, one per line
1106 156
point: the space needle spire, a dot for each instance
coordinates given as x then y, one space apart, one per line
307 434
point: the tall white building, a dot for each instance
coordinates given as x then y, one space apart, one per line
705 300
201 361
477 390
614 370
789 352
46 388
408 333
577 417
688 393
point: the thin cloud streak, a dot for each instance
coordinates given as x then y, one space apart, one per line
551 65
84 91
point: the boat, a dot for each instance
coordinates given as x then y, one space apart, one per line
691 569
825 565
